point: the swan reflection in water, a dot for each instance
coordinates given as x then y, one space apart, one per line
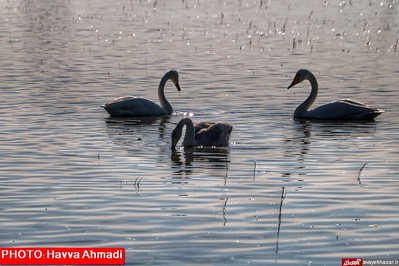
126 131
322 138
186 159
137 120
298 139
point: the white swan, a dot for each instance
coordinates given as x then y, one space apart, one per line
132 106
340 110
202 134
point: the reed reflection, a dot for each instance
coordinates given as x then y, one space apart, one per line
283 194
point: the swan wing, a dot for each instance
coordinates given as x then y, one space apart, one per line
132 106
202 126
212 134
344 110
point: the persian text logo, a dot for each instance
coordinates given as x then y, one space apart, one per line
352 261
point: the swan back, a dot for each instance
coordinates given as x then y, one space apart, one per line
132 106
212 134
344 110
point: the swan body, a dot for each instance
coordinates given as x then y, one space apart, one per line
132 106
202 134
340 110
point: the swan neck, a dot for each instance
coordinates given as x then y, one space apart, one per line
189 138
161 95
304 107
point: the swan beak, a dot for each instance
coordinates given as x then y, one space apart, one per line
176 82
174 142
175 139
294 82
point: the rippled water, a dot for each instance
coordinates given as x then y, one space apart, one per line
288 192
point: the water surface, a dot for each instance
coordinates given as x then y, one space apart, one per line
284 192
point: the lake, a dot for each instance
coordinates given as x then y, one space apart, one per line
284 192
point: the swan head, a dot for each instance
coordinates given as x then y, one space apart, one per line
174 77
300 76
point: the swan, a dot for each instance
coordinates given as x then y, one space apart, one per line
340 110
132 106
202 134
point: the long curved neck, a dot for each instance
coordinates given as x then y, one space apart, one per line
189 138
303 108
161 95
